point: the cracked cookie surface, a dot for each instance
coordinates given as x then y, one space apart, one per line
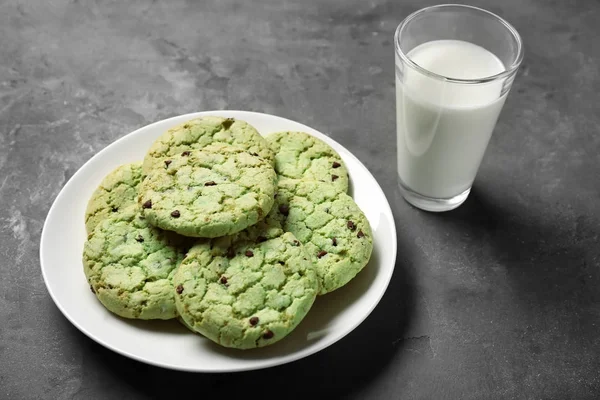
130 264
200 132
216 191
333 229
299 155
245 294
117 194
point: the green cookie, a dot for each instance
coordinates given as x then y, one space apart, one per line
117 194
200 132
299 155
130 265
333 229
245 294
216 191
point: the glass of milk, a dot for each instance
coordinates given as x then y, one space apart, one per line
454 68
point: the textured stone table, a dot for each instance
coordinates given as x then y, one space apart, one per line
498 299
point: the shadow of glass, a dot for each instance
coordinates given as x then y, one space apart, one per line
546 258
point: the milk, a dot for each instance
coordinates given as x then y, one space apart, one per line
443 128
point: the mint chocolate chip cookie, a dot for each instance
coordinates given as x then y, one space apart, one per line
216 191
130 265
117 194
333 229
245 294
200 132
299 155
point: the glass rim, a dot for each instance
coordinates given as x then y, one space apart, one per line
510 70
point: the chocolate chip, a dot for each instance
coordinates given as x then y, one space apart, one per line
186 153
296 243
281 262
268 334
230 252
179 289
115 209
321 253
334 241
334 177
168 162
249 253
223 280
227 123
210 183
253 321
351 225
254 154
92 289
261 239
139 239
360 234
175 214
336 164
147 204
284 209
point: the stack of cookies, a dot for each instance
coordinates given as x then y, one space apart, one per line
232 233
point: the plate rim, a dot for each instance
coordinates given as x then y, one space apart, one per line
284 360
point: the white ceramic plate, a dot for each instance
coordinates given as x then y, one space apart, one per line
167 343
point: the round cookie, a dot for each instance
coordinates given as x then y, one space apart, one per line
245 294
117 194
200 132
216 191
299 155
130 265
333 229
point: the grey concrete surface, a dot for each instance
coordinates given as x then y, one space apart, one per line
498 299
